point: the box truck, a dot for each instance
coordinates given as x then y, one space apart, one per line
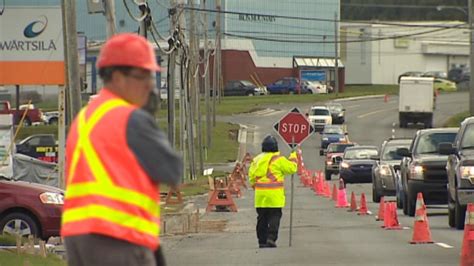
416 101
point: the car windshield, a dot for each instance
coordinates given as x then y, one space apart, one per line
468 137
333 130
360 154
339 148
390 152
428 143
319 112
335 108
247 83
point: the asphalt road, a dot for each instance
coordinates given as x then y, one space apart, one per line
322 234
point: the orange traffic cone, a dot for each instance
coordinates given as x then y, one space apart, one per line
467 251
327 191
385 98
363 206
421 228
334 192
320 186
353 207
341 195
380 216
393 223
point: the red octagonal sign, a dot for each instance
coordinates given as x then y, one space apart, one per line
294 128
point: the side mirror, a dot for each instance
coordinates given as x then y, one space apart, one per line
404 152
338 159
343 109
346 133
321 152
306 114
446 148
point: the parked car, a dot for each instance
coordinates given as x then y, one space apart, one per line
384 172
357 163
41 146
338 112
436 74
331 134
242 88
33 115
457 74
410 74
423 168
460 171
444 85
30 209
51 118
319 117
313 87
288 85
334 154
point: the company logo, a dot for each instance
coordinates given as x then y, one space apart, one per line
36 27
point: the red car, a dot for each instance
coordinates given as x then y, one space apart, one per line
30 209
334 154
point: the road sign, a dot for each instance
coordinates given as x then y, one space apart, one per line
294 128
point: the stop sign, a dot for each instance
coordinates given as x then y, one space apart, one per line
294 128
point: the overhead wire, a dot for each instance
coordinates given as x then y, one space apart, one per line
138 19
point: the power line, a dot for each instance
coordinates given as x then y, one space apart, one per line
396 6
316 19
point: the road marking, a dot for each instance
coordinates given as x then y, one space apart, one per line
406 228
376 112
443 245
352 106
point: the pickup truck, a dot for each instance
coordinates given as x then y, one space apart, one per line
460 169
32 116
42 147
423 168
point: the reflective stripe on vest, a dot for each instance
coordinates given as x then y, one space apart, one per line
273 184
103 185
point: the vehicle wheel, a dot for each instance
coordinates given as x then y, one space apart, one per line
375 196
327 175
451 215
53 121
250 94
18 223
399 202
459 215
26 122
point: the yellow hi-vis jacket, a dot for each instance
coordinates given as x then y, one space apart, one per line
267 174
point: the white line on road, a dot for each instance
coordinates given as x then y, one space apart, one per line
352 106
443 245
376 112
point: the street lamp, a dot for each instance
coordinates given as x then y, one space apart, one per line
468 13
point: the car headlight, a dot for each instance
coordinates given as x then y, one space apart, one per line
51 198
466 171
417 172
325 139
340 114
344 165
384 170
329 162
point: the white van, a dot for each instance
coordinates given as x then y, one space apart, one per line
416 101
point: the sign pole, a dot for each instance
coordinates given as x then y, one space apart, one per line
291 193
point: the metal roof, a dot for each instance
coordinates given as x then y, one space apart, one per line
316 62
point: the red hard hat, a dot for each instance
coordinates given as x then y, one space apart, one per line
128 49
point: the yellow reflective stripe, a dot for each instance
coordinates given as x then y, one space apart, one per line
84 128
110 215
116 193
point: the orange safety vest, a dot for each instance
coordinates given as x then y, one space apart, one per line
107 191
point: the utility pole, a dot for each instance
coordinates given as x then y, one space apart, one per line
72 57
197 81
471 57
110 17
172 76
206 80
190 99
336 55
217 56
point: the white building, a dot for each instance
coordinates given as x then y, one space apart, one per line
379 53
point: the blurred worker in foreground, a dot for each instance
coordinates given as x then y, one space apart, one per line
116 159
267 175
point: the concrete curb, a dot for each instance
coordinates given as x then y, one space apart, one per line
359 98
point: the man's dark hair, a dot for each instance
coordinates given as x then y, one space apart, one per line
105 73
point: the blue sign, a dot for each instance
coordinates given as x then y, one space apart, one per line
313 75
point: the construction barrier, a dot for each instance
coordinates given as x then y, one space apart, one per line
174 196
221 199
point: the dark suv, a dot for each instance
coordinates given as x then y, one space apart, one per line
423 168
460 168
30 209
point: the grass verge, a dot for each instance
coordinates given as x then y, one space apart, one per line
8 258
455 121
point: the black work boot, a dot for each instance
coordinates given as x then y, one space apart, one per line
260 245
271 243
